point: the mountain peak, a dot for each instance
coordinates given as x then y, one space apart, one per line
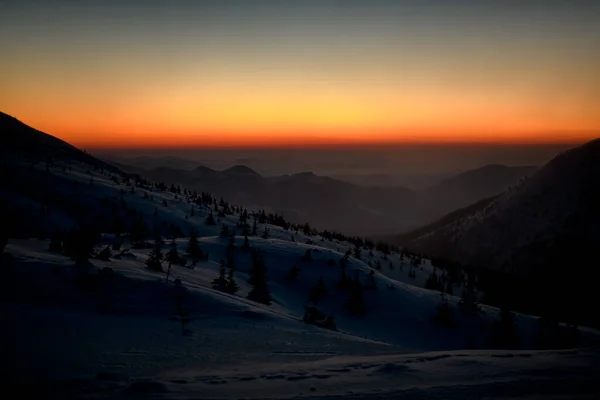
241 170
204 169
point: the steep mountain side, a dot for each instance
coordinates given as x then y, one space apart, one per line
556 208
544 233
470 187
17 138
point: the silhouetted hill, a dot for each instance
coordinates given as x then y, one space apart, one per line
241 170
18 139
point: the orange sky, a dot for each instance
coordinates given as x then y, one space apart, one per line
357 78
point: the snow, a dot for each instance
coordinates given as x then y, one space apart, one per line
124 338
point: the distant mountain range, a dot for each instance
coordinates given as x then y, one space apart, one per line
330 203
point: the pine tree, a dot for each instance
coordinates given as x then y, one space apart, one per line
155 258
258 279
444 315
371 284
182 311
254 229
193 248
307 256
469 302
220 283
266 233
344 283
224 231
434 283
357 252
231 287
210 220
329 323
245 229
105 254
79 244
246 244
355 303
171 257
293 274
504 330
318 292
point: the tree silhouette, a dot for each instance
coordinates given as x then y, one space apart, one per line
504 330
258 279
171 257
220 283
307 257
355 303
444 315
210 220
231 287
469 302
224 231
318 292
246 245
293 274
266 233
371 284
193 248
357 252
155 259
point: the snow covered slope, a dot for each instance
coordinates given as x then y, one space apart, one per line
113 328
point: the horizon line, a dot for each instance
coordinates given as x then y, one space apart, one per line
339 145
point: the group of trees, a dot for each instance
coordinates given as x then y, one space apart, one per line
77 243
225 282
312 314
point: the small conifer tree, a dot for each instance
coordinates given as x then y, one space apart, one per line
318 292
293 274
155 259
220 283
231 287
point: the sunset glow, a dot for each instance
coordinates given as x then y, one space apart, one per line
197 74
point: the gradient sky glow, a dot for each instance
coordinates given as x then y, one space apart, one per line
234 73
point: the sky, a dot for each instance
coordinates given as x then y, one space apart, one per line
114 74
